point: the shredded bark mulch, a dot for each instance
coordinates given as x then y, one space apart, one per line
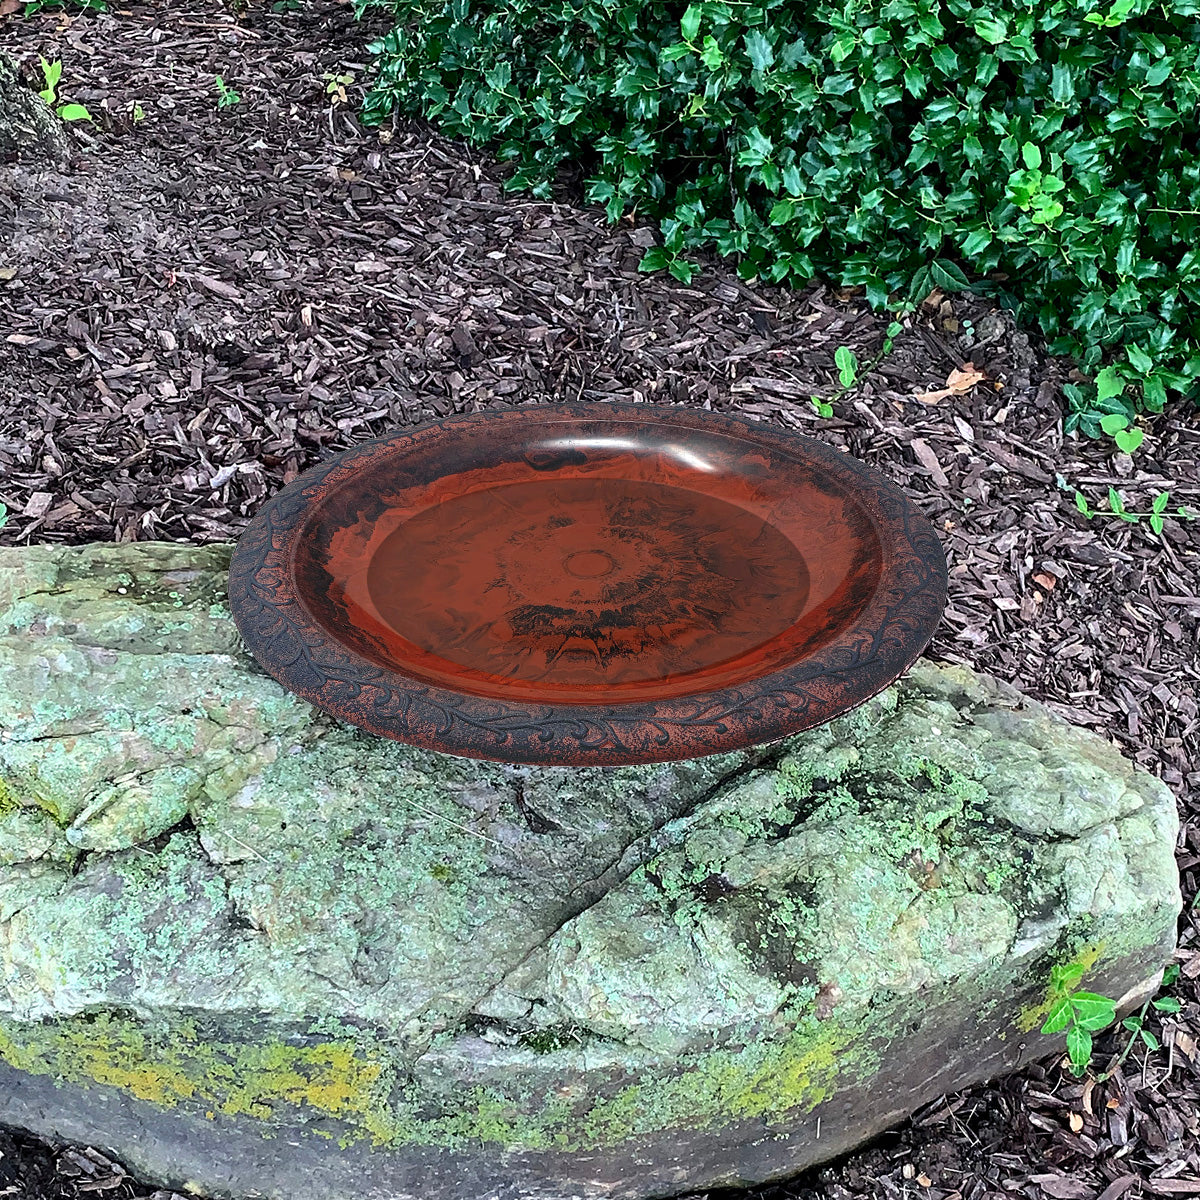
214 297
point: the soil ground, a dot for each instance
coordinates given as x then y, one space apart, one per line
215 296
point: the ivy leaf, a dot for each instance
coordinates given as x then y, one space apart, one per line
1079 1048
914 81
992 29
944 59
1059 1018
947 276
1128 440
712 56
74 112
976 242
1031 156
1062 85
1109 383
654 259
842 48
759 148
689 23
1139 359
1154 394
682 270
760 51
782 212
1114 422
922 285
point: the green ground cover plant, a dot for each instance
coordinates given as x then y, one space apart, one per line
34 6
51 74
1044 151
1079 1014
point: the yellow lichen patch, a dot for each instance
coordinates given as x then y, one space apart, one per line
769 1080
330 1077
334 1078
153 1082
8 800
276 1080
800 1076
103 1052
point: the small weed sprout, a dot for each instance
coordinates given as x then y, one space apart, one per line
1136 1023
1079 1013
51 74
1156 517
849 370
336 85
847 364
226 96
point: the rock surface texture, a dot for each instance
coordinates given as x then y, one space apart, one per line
28 127
254 951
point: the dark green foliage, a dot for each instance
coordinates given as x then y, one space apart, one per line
1046 151
33 6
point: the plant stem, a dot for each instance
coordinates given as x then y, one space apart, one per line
1133 1037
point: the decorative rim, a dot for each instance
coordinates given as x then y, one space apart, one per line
860 662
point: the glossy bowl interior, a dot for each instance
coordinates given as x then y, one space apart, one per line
577 566
584 557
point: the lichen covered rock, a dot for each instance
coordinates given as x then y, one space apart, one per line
28 127
253 950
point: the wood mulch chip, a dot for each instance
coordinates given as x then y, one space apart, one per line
213 299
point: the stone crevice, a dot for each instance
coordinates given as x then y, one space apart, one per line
619 869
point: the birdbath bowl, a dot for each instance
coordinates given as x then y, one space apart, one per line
588 584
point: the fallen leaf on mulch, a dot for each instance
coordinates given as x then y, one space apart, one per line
8 7
957 382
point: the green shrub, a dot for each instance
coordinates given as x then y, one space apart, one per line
1044 151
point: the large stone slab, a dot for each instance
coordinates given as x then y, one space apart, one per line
253 951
